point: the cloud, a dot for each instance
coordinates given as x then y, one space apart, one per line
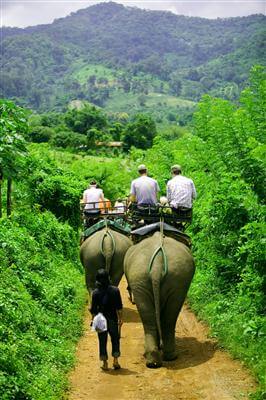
216 8
29 12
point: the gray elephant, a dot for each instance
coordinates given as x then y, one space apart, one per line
159 272
105 248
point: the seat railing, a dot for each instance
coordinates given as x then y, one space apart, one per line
132 212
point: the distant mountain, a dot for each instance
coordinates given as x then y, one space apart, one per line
44 66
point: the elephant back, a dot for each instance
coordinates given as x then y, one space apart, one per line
147 231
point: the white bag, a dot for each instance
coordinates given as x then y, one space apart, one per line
99 323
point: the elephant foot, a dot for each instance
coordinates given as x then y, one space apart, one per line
170 356
154 359
153 364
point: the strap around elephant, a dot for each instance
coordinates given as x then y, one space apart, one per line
106 233
158 250
165 261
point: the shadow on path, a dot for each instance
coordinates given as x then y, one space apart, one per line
130 315
191 352
122 371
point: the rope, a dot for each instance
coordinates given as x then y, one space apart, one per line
157 251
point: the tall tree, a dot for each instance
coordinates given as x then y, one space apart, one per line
140 132
13 128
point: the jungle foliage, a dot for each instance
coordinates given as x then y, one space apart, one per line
41 300
46 66
225 156
41 291
13 129
90 128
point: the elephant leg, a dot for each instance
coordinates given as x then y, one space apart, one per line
90 280
145 305
116 276
169 316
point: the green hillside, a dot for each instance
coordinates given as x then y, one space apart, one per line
130 50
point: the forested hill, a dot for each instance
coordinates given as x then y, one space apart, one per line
183 56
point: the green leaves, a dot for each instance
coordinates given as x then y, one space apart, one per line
139 132
41 295
13 128
234 135
225 157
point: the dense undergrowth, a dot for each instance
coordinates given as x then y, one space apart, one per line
41 300
42 291
226 159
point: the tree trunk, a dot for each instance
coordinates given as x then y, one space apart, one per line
8 197
1 183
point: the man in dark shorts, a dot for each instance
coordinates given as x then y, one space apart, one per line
107 300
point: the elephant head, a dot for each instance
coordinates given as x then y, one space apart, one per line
159 272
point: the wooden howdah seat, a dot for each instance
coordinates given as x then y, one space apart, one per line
136 215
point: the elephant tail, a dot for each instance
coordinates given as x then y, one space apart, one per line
157 271
107 248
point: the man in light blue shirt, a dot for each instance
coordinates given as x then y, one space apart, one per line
144 189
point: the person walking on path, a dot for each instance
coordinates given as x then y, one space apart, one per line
107 300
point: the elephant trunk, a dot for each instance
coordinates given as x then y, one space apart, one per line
108 248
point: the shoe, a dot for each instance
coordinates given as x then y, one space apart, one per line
104 367
116 366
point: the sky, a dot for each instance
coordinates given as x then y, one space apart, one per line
22 13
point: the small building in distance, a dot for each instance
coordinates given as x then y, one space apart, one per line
110 144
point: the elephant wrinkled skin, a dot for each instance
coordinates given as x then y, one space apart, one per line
159 285
104 249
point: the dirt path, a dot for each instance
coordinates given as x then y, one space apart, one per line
201 372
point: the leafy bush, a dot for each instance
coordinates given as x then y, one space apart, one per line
60 194
40 134
225 159
41 296
68 139
84 119
140 132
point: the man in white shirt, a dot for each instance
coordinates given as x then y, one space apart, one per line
91 198
144 189
180 190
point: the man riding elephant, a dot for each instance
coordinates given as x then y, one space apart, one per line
143 195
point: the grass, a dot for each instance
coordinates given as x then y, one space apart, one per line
82 73
157 104
242 333
42 298
154 99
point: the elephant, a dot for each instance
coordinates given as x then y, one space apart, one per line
105 248
159 270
